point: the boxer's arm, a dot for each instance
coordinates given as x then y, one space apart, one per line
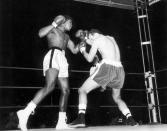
95 60
72 47
58 20
92 53
45 30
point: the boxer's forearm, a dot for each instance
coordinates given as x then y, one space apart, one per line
45 30
87 56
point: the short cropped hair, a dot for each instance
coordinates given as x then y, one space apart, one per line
67 17
93 31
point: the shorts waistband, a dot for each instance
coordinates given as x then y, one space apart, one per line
55 48
114 63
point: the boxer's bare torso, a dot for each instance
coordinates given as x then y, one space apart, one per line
57 38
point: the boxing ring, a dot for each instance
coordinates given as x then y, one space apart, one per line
152 106
109 128
50 103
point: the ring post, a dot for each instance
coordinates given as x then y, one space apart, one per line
148 61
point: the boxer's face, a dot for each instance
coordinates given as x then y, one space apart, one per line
90 39
90 36
68 24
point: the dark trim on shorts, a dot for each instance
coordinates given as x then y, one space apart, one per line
58 48
51 55
51 58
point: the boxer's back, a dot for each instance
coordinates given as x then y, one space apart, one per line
108 48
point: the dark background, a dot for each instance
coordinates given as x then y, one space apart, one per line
20 46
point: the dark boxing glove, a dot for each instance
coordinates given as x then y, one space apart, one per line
82 35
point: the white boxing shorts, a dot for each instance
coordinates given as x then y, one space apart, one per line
55 58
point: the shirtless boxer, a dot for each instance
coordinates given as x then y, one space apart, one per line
83 36
108 73
55 69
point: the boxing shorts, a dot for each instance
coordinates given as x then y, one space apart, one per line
55 58
109 74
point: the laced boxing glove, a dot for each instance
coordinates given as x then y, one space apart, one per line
82 47
82 35
86 34
58 20
78 33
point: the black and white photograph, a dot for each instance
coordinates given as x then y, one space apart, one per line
83 65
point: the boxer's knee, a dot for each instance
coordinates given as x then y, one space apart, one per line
49 86
82 91
65 91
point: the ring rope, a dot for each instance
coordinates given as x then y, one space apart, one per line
162 70
33 87
19 87
163 105
76 71
161 88
79 71
43 106
73 106
18 68
26 68
28 87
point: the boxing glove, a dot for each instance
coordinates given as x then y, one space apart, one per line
58 20
82 35
82 46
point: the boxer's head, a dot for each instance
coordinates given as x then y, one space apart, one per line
68 22
93 33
